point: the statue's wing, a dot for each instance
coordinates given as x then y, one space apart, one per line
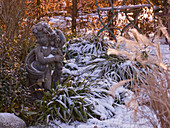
62 37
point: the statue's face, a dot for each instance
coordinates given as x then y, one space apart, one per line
42 39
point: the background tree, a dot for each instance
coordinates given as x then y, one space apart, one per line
38 9
74 15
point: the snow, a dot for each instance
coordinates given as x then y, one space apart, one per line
165 53
95 61
74 97
49 56
44 47
34 68
65 70
123 119
72 65
52 48
68 18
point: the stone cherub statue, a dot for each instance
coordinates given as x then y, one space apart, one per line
48 51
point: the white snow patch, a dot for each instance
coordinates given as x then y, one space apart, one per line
49 56
65 70
34 68
44 47
72 65
122 119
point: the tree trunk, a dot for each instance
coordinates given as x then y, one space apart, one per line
74 15
0 8
38 9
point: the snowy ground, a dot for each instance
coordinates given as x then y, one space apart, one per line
165 54
123 119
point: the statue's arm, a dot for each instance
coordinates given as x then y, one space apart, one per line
62 37
45 60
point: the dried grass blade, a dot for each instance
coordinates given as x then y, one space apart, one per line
164 32
118 52
113 88
140 38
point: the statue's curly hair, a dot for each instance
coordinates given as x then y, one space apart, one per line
45 28
42 27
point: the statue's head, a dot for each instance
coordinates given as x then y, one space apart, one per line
45 35
42 31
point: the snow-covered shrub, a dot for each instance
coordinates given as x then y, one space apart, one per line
74 101
86 57
79 52
67 103
86 45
